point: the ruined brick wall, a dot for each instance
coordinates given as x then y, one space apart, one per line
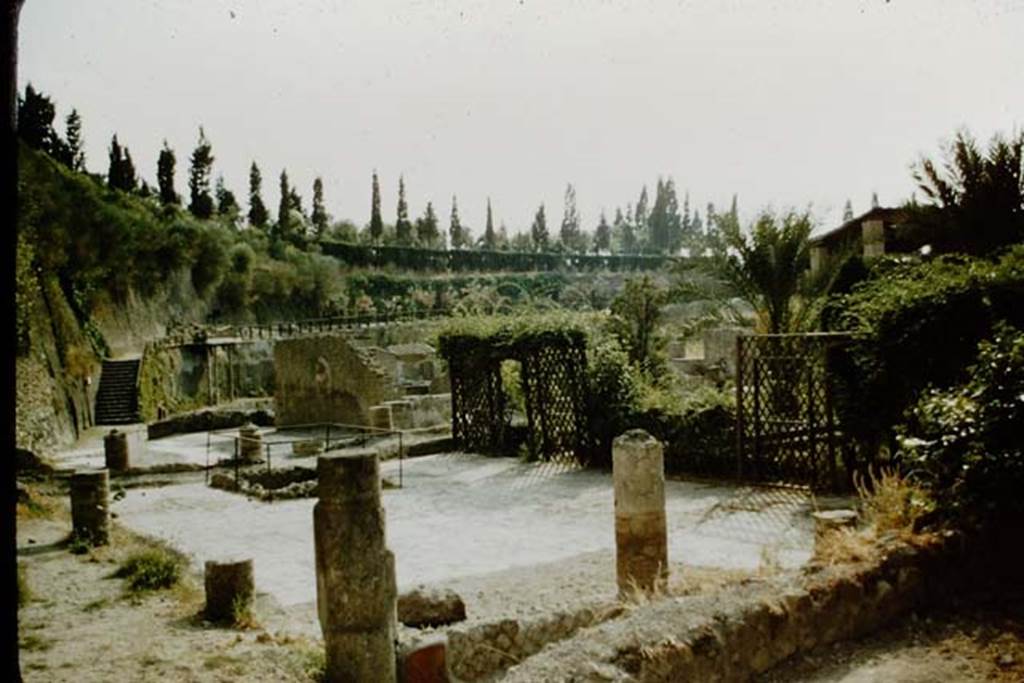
326 378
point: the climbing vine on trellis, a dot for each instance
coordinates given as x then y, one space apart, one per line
552 357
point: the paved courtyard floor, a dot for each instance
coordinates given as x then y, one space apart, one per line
461 515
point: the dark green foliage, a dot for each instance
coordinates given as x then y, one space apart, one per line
539 230
71 154
26 292
319 216
635 322
257 209
976 201
165 176
624 234
613 397
665 223
227 205
403 228
968 438
35 121
376 222
121 173
283 229
201 201
915 326
150 570
427 232
698 432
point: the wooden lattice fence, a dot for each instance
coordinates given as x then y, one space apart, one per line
553 373
786 427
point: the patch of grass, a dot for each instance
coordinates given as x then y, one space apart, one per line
34 643
220 661
891 502
96 605
150 570
24 592
79 544
241 612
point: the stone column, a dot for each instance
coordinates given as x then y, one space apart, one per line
115 450
641 541
90 505
228 583
250 444
355 572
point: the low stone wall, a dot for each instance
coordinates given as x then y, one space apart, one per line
477 651
736 633
206 420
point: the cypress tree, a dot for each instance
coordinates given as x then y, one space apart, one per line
376 223
569 235
35 121
284 207
165 176
539 230
602 235
227 205
201 202
490 238
114 169
848 211
257 209
319 213
427 233
403 228
128 178
75 156
455 231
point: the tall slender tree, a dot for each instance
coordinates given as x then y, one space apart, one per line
376 222
403 228
227 204
284 208
121 173
165 164
848 211
73 142
602 235
427 233
456 233
490 237
35 121
319 216
257 209
539 230
201 201
569 234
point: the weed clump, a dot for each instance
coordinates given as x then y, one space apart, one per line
150 570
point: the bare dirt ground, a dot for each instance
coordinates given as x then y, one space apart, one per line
976 637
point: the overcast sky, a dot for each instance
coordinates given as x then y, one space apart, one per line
785 103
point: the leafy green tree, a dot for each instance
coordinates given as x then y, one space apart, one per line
403 228
602 235
427 232
569 235
664 222
539 230
376 222
227 204
623 232
201 201
490 237
636 315
456 233
165 176
35 121
258 216
975 202
319 216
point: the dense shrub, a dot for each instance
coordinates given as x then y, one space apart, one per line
968 438
150 570
917 325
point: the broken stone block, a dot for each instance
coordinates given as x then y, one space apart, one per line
229 588
422 607
90 505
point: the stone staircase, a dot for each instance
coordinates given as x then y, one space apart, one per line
117 401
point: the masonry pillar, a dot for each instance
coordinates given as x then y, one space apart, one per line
90 505
355 572
641 540
115 451
229 587
250 445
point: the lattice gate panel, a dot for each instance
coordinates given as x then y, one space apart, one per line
478 403
786 428
553 383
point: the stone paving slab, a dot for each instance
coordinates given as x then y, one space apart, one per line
463 515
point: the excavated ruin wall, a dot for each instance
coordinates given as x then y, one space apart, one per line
737 633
